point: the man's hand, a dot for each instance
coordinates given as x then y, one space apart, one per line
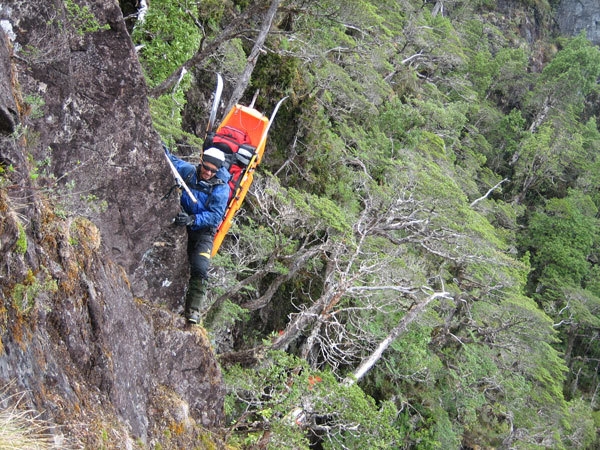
184 219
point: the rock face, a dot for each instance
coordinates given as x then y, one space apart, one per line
93 272
8 107
575 16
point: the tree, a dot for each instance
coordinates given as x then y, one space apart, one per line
565 82
252 58
562 239
165 29
302 405
209 43
379 242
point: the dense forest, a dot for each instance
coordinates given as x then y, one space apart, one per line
416 265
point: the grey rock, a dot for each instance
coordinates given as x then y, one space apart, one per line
575 16
90 334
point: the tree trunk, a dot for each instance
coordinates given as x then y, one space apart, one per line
410 316
302 256
233 30
253 58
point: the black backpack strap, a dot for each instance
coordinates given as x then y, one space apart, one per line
168 194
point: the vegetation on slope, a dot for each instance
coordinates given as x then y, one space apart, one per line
417 264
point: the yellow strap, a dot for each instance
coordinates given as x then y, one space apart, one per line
206 255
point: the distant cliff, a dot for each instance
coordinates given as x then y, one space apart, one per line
574 16
87 246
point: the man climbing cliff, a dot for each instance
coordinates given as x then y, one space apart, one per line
208 184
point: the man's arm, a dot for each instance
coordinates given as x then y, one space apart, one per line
181 170
214 210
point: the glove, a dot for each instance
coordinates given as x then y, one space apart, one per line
184 219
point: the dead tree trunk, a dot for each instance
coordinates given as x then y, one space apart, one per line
372 359
253 57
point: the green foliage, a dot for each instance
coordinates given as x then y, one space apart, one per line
504 136
228 313
399 121
584 174
82 19
498 75
211 12
274 75
433 181
298 397
581 429
325 213
169 37
575 68
498 384
21 244
566 80
561 236
541 161
166 118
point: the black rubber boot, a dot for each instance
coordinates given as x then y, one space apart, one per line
195 300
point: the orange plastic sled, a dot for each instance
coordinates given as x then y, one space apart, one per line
256 126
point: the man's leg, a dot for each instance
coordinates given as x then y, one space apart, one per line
195 299
199 249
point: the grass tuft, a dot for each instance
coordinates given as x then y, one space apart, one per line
23 429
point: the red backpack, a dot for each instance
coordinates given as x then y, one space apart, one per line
238 152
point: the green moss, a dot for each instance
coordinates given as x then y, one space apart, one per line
24 294
82 19
21 244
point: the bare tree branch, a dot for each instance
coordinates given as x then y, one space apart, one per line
300 259
253 57
474 202
235 29
410 316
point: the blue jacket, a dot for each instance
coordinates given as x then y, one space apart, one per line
212 195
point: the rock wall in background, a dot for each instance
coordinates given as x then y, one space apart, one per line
574 16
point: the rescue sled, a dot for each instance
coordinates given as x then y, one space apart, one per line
242 136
